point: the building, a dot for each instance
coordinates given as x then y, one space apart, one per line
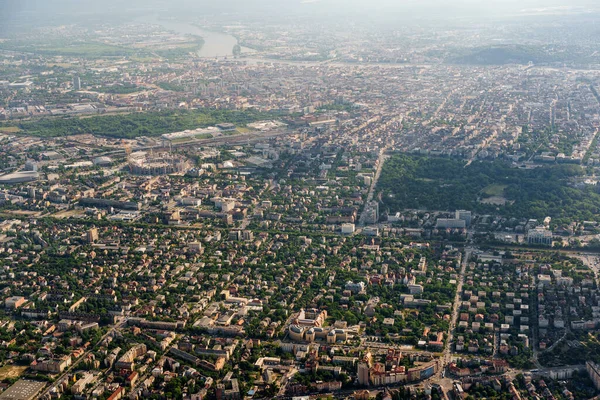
102 161
109 203
76 83
20 177
363 374
311 317
296 332
79 386
14 302
153 164
593 370
463 215
127 360
195 247
54 366
164 325
348 228
23 390
451 223
31 165
372 212
200 133
370 231
226 127
184 356
228 390
415 289
92 235
539 236
358 287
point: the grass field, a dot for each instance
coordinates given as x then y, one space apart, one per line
12 371
9 129
494 190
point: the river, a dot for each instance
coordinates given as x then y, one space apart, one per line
216 44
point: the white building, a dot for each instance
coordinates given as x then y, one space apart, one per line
348 228
539 236
463 215
451 223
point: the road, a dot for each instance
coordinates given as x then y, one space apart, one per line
592 261
447 355
380 162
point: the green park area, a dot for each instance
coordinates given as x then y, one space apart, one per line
134 124
444 184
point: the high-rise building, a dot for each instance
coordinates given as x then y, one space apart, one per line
372 212
464 215
363 374
31 165
92 235
76 83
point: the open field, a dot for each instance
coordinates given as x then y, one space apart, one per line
494 190
12 371
9 129
20 213
69 214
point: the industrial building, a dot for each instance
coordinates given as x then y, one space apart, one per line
23 390
20 177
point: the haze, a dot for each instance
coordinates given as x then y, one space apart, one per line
13 11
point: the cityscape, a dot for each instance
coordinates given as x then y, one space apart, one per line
299 200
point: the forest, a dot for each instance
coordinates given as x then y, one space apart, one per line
443 184
137 124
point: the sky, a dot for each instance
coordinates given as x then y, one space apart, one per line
48 11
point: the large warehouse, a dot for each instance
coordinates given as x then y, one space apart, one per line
23 390
20 177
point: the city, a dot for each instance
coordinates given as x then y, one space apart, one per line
229 206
